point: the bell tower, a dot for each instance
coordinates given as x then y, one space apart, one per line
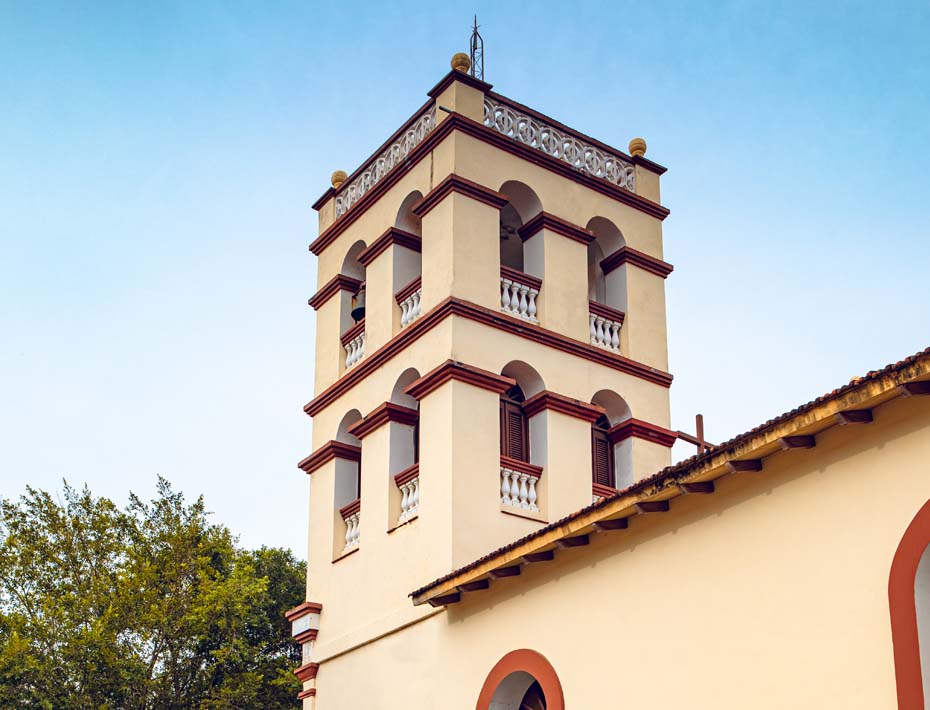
490 354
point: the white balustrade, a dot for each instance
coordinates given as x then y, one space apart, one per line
410 501
605 333
518 489
560 143
518 299
355 349
352 529
410 308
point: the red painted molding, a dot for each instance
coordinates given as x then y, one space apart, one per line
407 475
453 370
530 662
382 414
393 236
304 636
903 610
338 283
603 491
563 404
494 319
627 255
352 332
599 309
408 289
521 277
457 122
307 672
649 165
308 693
353 507
327 452
461 77
641 430
545 220
454 183
302 610
521 466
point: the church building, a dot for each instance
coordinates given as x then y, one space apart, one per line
495 520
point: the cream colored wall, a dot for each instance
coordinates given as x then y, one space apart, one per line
770 594
562 265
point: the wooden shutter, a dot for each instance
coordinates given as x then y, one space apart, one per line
513 431
602 459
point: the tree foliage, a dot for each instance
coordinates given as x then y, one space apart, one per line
148 607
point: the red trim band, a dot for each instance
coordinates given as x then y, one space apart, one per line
307 672
327 452
408 290
392 236
454 183
599 309
460 76
407 475
639 429
350 508
561 403
599 489
453 370
337 283
627 255
545 220
521 466
521 277
382 414
352 332
302 610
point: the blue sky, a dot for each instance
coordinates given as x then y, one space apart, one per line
158 162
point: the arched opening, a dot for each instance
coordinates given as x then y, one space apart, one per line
405 438
522 205
607 288
352 309
408 262
909 605
522 438
521 680
611 461
347 488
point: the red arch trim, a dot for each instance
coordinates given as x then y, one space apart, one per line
530 662
903 611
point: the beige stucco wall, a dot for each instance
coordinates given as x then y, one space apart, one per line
771 593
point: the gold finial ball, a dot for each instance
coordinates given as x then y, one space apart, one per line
338 178
637 146
461 62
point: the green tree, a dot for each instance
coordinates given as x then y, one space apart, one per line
150 607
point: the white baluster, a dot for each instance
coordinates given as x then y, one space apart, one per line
415 496
404 312
600 331
361 345
532 494
505 294
592 318
415 306
505 486
523 305
531 310
524 492
405 501
349 531
614 335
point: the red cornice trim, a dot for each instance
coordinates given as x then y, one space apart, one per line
461 77
307 672
337 283
903 609
454 183
453 370
545 220
563 404
327 452
521 466
353 507
302 610
527 661
407 475
601 490
352 332
648 164
520 277
321 200
627 255
308 693
641 430
599 309
494 319
304 636
491 137
408 289
392 236
382 414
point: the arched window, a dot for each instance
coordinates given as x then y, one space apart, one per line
405 435
611 461
408 262
607 287
522 680
523 205
348 473
514 428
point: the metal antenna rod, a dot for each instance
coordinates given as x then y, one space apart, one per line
476 52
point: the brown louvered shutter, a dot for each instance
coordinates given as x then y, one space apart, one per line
602 468
513 431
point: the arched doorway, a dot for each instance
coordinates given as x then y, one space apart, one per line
522 680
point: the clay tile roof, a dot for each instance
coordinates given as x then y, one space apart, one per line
681 468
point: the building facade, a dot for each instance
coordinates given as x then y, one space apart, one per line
491 413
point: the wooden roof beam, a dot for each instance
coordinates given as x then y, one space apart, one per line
804 441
